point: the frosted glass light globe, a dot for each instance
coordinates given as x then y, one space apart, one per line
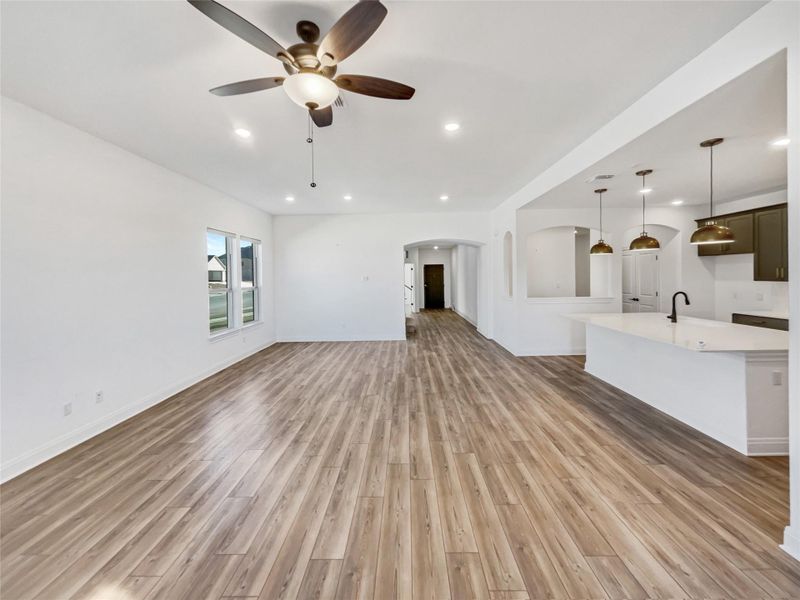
310 88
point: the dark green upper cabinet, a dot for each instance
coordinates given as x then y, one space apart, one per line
770 262
742 226
762 231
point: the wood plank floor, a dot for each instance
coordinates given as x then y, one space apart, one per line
437 468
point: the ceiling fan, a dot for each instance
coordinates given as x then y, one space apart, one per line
312 82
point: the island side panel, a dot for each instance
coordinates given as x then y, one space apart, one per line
705 390
768 403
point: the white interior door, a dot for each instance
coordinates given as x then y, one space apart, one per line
640 282
629 283
647 275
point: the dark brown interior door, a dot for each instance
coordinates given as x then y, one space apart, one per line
433 276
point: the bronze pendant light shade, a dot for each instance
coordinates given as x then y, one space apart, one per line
711 232
601 247
644 241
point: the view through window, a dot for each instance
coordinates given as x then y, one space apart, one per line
233 280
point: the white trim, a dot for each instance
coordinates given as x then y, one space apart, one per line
371 337
464 316
778 446
571 300
45 452
791 542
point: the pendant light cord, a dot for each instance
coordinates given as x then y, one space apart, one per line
711 183
601 215
643 188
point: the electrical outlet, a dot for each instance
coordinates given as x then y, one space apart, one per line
68 409
777 378
98 396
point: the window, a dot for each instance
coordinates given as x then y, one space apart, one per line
233 281
248 252
218 249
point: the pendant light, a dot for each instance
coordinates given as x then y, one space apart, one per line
644 241
711 232
601 247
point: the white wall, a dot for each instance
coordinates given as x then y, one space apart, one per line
429 256
339 277
104 285
550 262
465 261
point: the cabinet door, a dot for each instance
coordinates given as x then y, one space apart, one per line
770 244
742 227
710 249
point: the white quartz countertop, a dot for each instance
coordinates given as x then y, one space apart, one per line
700 335
773 314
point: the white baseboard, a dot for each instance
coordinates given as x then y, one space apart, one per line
37 456
342 338
791 542
778 446
465 317
570 351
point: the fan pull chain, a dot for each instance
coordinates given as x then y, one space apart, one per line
310 140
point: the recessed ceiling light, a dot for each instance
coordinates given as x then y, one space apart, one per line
290 198
348 197
436 247
444 197
242 133
645 190
782 142
677 202
452 126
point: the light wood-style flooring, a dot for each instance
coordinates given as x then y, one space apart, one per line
437 468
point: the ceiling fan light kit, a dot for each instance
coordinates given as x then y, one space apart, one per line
310 90
311 67
711 232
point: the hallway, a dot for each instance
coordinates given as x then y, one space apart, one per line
441 467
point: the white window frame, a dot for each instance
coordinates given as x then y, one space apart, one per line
256 281
234 284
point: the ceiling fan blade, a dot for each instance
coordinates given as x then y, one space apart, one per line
246 87
350 32
374 86
322 117
243 28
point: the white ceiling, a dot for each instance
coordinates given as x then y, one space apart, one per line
528 81
749 112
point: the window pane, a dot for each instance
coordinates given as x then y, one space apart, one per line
217 251
248 305
218 311
247 250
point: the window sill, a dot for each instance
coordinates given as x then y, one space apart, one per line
222 335
228 333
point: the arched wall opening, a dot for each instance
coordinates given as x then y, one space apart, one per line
454 264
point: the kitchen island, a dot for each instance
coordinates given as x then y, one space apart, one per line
726 380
